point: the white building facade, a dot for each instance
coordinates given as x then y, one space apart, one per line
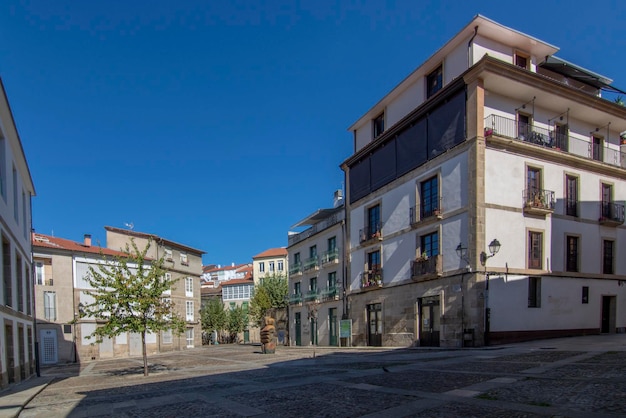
17 339
493 140
316 278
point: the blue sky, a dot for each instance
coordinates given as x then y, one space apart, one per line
221 124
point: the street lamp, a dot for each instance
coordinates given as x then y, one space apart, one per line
494 247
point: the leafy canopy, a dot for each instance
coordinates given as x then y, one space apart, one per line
213 316
270 293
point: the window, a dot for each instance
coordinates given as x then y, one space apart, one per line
296 259
261 266
3 171
189 310
189 287
168 278
434 81
596 148
50 306
571 195
534 292
332 243
6 273
24 223
167 336
378 124
189 337
313 284
20 282
572 253
183 259
373 221
535 249
297 290
533 181
523 126
168 255
232 306
373 261
332 280
281 267
521 60
244 306
167 302
429 244
271 266
39 273
585 295
313 251
607 201
561 136
16 214
429 197
607 256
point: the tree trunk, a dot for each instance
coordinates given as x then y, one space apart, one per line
145 355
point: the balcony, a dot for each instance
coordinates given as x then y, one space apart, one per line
371 233
321 226
418 214
611 214
311 264
330 293
295 299
311 296
550 138
372 279
295 269
330 257
427 268
538 201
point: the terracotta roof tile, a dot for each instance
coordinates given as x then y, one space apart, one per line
47 241
272 252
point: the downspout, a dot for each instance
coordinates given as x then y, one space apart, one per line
469 47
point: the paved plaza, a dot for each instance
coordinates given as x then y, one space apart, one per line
572 377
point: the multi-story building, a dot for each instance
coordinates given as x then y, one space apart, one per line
485 199
316 277
17 339
237 293
61 269
184 264
272 262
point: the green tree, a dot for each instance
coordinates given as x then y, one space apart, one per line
237 321
270 293
213 316
127 293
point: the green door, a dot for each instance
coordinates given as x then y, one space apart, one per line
246 336
313 331
332 326
298 329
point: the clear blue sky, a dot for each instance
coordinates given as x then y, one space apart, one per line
221 124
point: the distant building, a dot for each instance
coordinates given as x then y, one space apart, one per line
217 274
316 278
270 262
184 263
17 339
61 269
237 293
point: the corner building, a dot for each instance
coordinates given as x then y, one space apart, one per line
485 199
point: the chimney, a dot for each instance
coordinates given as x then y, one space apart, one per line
338 198
87 240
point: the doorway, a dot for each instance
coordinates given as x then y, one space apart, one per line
429 315
298 329
332 327
375 325
608 315
49 346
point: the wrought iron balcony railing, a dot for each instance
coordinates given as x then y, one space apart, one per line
295 298
424 268
372 278
311 295
330 293
500 126
538 201
611 213
371 232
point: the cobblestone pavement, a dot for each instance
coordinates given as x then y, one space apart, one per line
564 378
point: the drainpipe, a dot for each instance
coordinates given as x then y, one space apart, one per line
469 47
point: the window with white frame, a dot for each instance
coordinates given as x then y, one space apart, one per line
281 267
167 336
261 266
168 277
189 286
168 303
271 266
189 337
183 259
189 311
50 306
168 255
239 291
39 273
